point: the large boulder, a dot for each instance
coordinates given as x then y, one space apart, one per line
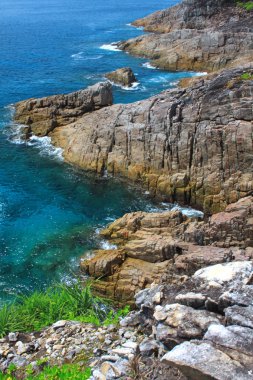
202 361
124 77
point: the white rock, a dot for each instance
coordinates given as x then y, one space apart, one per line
236 270
59 324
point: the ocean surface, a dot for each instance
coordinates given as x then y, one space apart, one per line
50 213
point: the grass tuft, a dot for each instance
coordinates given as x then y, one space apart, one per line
33 312
65 372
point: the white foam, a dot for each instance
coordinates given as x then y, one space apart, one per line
149 66
134 87
15 133
45 146
190 212
136 27
111 47
80 57
107 246
201 74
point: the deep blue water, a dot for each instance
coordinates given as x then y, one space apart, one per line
49 212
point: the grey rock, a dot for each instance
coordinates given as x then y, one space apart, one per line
195 300
13 337
238 315
149 347
202 361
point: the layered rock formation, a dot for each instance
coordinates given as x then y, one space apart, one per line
190 145
155 247
124 77
43 115
195 35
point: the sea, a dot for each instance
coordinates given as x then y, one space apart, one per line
51 213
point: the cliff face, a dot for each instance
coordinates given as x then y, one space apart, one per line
43 115
195 35
189 145
155 247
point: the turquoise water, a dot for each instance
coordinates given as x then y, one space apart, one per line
49 212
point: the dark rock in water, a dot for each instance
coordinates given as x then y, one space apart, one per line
124 77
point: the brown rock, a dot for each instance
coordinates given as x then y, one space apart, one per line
45 114
124 77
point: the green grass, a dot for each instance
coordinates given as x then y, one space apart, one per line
65 372
248 5
33 312
247 76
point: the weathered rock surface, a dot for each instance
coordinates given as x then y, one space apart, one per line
195 35
205 362
124 77
45 114
192 145
164 339
167 246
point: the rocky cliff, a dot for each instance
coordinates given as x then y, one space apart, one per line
168 247
196 35
42 116
190 145
193 145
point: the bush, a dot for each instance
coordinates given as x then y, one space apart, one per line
247 76
33 312
67 371
248 5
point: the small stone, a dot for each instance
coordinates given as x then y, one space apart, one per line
149 347
59 324
13 337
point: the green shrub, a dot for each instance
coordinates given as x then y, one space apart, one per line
247 76
60 302
248 5
67 371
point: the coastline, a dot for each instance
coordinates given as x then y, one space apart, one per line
190 279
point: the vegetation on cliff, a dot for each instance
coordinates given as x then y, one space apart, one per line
60 302
248 5
67 371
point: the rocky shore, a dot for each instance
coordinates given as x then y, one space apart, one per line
200 329
190 279
196 35
191 145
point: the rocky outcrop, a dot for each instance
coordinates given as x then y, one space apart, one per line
124 77
43 115
168 247
195 35
178 332
190 145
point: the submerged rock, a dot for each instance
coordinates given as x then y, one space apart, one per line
124 77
